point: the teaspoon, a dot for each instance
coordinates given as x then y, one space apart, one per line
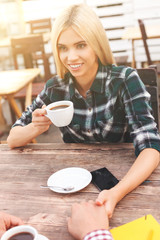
68 188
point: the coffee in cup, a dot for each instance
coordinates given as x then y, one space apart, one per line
60 113
23 232
59 107
22 236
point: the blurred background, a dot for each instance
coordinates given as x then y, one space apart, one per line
132 26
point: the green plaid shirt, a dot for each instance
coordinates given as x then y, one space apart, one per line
116 101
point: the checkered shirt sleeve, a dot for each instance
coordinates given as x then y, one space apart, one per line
102 234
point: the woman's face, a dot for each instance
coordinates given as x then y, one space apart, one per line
76 55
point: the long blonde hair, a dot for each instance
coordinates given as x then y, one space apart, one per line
87 24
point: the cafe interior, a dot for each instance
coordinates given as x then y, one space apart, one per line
27 173
132 27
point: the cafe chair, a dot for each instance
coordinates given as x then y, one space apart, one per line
150 80
41 26
144 38
25 47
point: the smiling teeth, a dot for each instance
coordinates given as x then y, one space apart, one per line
75 66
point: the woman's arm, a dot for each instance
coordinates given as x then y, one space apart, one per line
21 135
142 168
145 136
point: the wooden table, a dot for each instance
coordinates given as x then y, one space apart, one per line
24 169
133 34
12 82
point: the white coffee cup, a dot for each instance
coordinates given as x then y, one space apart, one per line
20 229
60 113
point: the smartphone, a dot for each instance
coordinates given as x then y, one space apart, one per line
103 179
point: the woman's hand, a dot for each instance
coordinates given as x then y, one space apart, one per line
40 121
108 199
8 221
135 176
22 135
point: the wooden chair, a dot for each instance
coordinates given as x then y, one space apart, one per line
40 25
150 80
144 38
27 46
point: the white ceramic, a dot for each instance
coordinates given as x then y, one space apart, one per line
60 117
19 229
42 237
77 177
23 228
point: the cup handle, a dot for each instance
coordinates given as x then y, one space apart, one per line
47 115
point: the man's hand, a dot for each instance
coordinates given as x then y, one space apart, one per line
8 221
86 217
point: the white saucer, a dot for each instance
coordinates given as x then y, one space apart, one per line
42 237
79 178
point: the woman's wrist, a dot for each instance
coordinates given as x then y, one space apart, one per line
119 191
38 130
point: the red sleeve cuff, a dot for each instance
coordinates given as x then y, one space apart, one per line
101 234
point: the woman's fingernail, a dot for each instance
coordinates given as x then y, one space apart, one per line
99 202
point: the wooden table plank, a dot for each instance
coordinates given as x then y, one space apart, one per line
13 81
134 33
24 169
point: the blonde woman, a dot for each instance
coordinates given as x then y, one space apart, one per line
107 99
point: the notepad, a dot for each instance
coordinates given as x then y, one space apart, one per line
144 228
